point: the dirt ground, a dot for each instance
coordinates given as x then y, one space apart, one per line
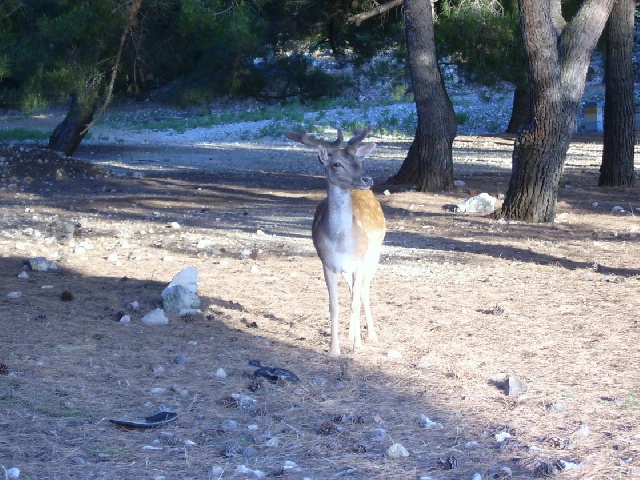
461 302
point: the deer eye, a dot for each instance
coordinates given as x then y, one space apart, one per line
337 165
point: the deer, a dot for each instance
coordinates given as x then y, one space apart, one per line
348 228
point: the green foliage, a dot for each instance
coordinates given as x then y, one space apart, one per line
287 77
483 40
462 117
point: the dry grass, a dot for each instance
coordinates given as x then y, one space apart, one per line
465 301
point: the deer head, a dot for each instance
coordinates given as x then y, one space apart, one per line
343 165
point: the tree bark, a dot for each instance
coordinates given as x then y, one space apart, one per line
521 109
429 162
67 135
616 169
558 57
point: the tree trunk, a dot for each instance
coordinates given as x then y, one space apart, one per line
616 169
558 57
67 135
429 163
521 109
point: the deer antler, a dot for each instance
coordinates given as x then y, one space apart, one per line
359 135
303 138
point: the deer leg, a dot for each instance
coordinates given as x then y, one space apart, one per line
354 325
331 278
371 331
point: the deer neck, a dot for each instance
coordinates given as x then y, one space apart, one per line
339 209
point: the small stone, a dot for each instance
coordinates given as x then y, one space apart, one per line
502 436
12 473
595 204
272 442
260 233
459 183
157 369
14 295
557 407
174 225
378 435
23 275
514 386
583 431
180 359
113 257
125 319
41 264
255 269
180 391
155 317
476 476
394 354
499 473
471 444
427 423
397 451
617 209
156 390
229 425
220 373
289 465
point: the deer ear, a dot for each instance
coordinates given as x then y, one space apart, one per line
323 155
365 150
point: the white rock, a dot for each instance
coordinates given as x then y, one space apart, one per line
260 233
23 275
156 390
394 354
272 442
476 476
113 257
178 298
187 277
255 269
427 423
255 473
155 317
289 465
14 294
204 243
220 373
595 204
459 183
175 225
125 319
41 264
471 444
482 202
397 451
617 209
502 436
12 473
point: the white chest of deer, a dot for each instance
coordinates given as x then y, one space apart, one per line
348 230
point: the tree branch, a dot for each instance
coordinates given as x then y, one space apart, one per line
133 13
361 17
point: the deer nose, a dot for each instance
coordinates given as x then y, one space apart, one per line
367 181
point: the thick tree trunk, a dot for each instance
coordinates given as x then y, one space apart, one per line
521 109
616 169
67 135
429 163
558 57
